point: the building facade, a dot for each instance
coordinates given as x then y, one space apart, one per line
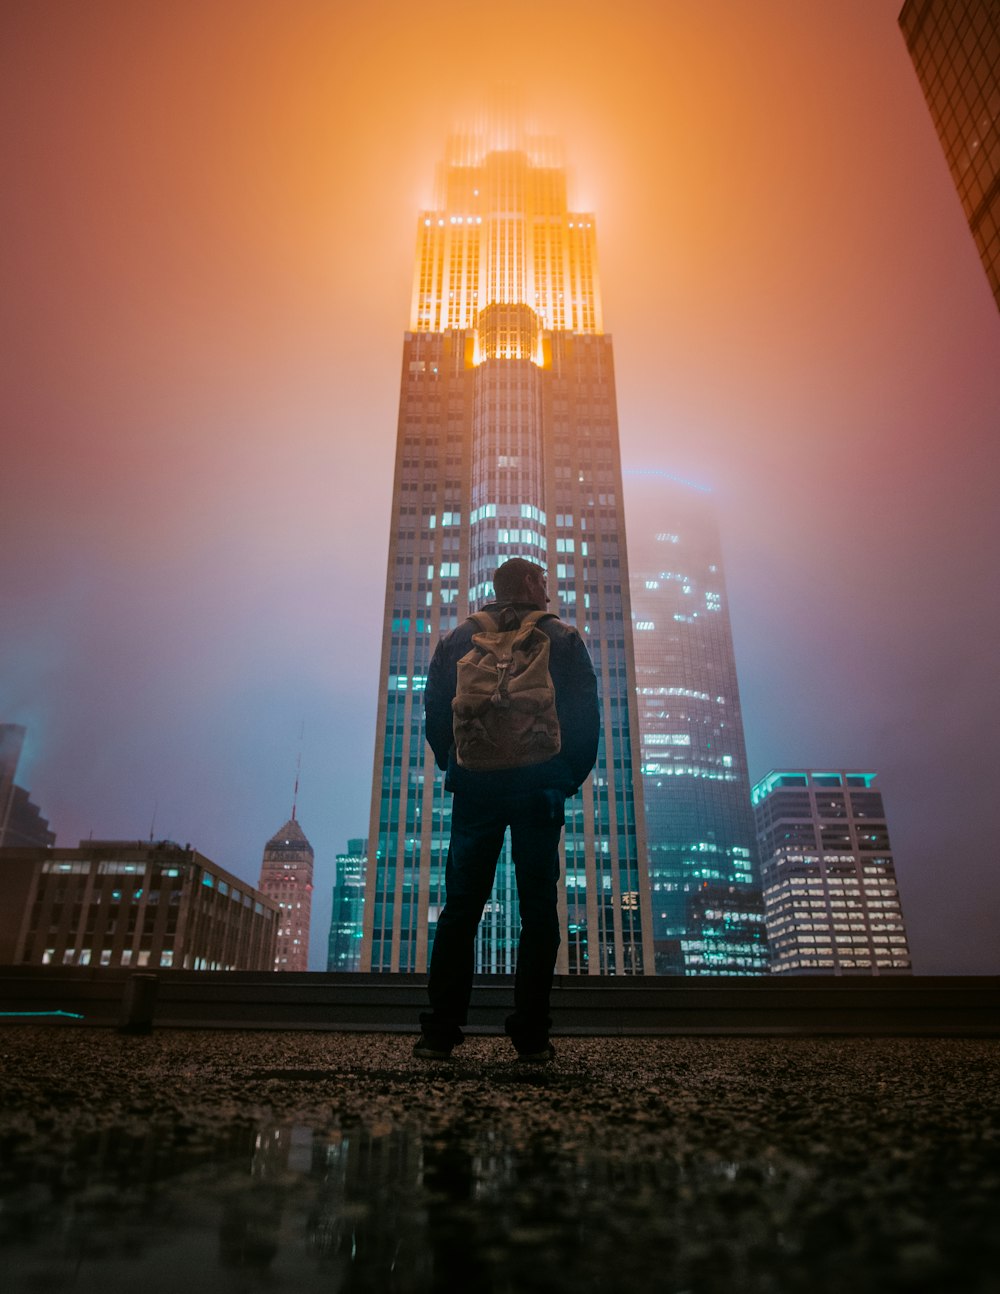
507 445
830 895
131 903
955 48
286 877
347 908
704 872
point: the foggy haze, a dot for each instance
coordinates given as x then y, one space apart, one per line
209 217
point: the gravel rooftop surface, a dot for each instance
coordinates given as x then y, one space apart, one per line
237 1161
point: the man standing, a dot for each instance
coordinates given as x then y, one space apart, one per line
528 797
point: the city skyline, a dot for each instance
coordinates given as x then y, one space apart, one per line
209 252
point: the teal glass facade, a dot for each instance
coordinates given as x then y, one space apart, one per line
704 872
347 908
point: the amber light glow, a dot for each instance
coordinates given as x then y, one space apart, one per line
207 265
501 254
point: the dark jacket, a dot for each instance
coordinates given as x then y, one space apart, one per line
575 686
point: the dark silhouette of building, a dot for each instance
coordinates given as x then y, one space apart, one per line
704 872
21 821
955 48
131 903
830 894
507 445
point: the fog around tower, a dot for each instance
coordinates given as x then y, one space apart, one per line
210 216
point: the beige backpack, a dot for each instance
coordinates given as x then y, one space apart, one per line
504 711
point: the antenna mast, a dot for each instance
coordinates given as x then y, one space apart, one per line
298 770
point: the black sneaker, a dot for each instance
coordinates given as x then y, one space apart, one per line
431 1049
540 1057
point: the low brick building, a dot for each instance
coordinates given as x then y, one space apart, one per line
131 903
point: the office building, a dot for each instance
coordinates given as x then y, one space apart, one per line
347 908
131 903
830 896
507 445
703 867
286 877
955 48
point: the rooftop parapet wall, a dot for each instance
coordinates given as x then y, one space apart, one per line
592 1006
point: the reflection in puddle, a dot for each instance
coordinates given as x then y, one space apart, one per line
405 1207
288 1206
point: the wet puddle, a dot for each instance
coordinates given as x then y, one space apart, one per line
403 1207
375 1207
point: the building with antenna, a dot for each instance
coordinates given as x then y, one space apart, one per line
507 445
286 877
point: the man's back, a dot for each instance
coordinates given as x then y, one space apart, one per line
575 685
527 800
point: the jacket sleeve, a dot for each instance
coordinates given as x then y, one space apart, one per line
442 677
576 704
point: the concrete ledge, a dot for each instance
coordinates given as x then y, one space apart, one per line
946 1006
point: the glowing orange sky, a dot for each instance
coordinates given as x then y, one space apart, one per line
209 214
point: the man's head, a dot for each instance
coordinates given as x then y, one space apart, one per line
519 580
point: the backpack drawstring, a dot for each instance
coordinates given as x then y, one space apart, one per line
500 698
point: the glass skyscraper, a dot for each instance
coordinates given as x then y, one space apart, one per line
507 445
955 48
348 901
703 869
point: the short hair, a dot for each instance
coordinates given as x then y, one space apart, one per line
511 579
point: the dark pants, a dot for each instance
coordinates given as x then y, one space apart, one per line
477 833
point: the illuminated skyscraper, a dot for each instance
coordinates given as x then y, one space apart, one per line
346 909
703 871
507 445
955 48
286 877
830 891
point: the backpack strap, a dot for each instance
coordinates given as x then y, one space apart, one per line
535 617
485 623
